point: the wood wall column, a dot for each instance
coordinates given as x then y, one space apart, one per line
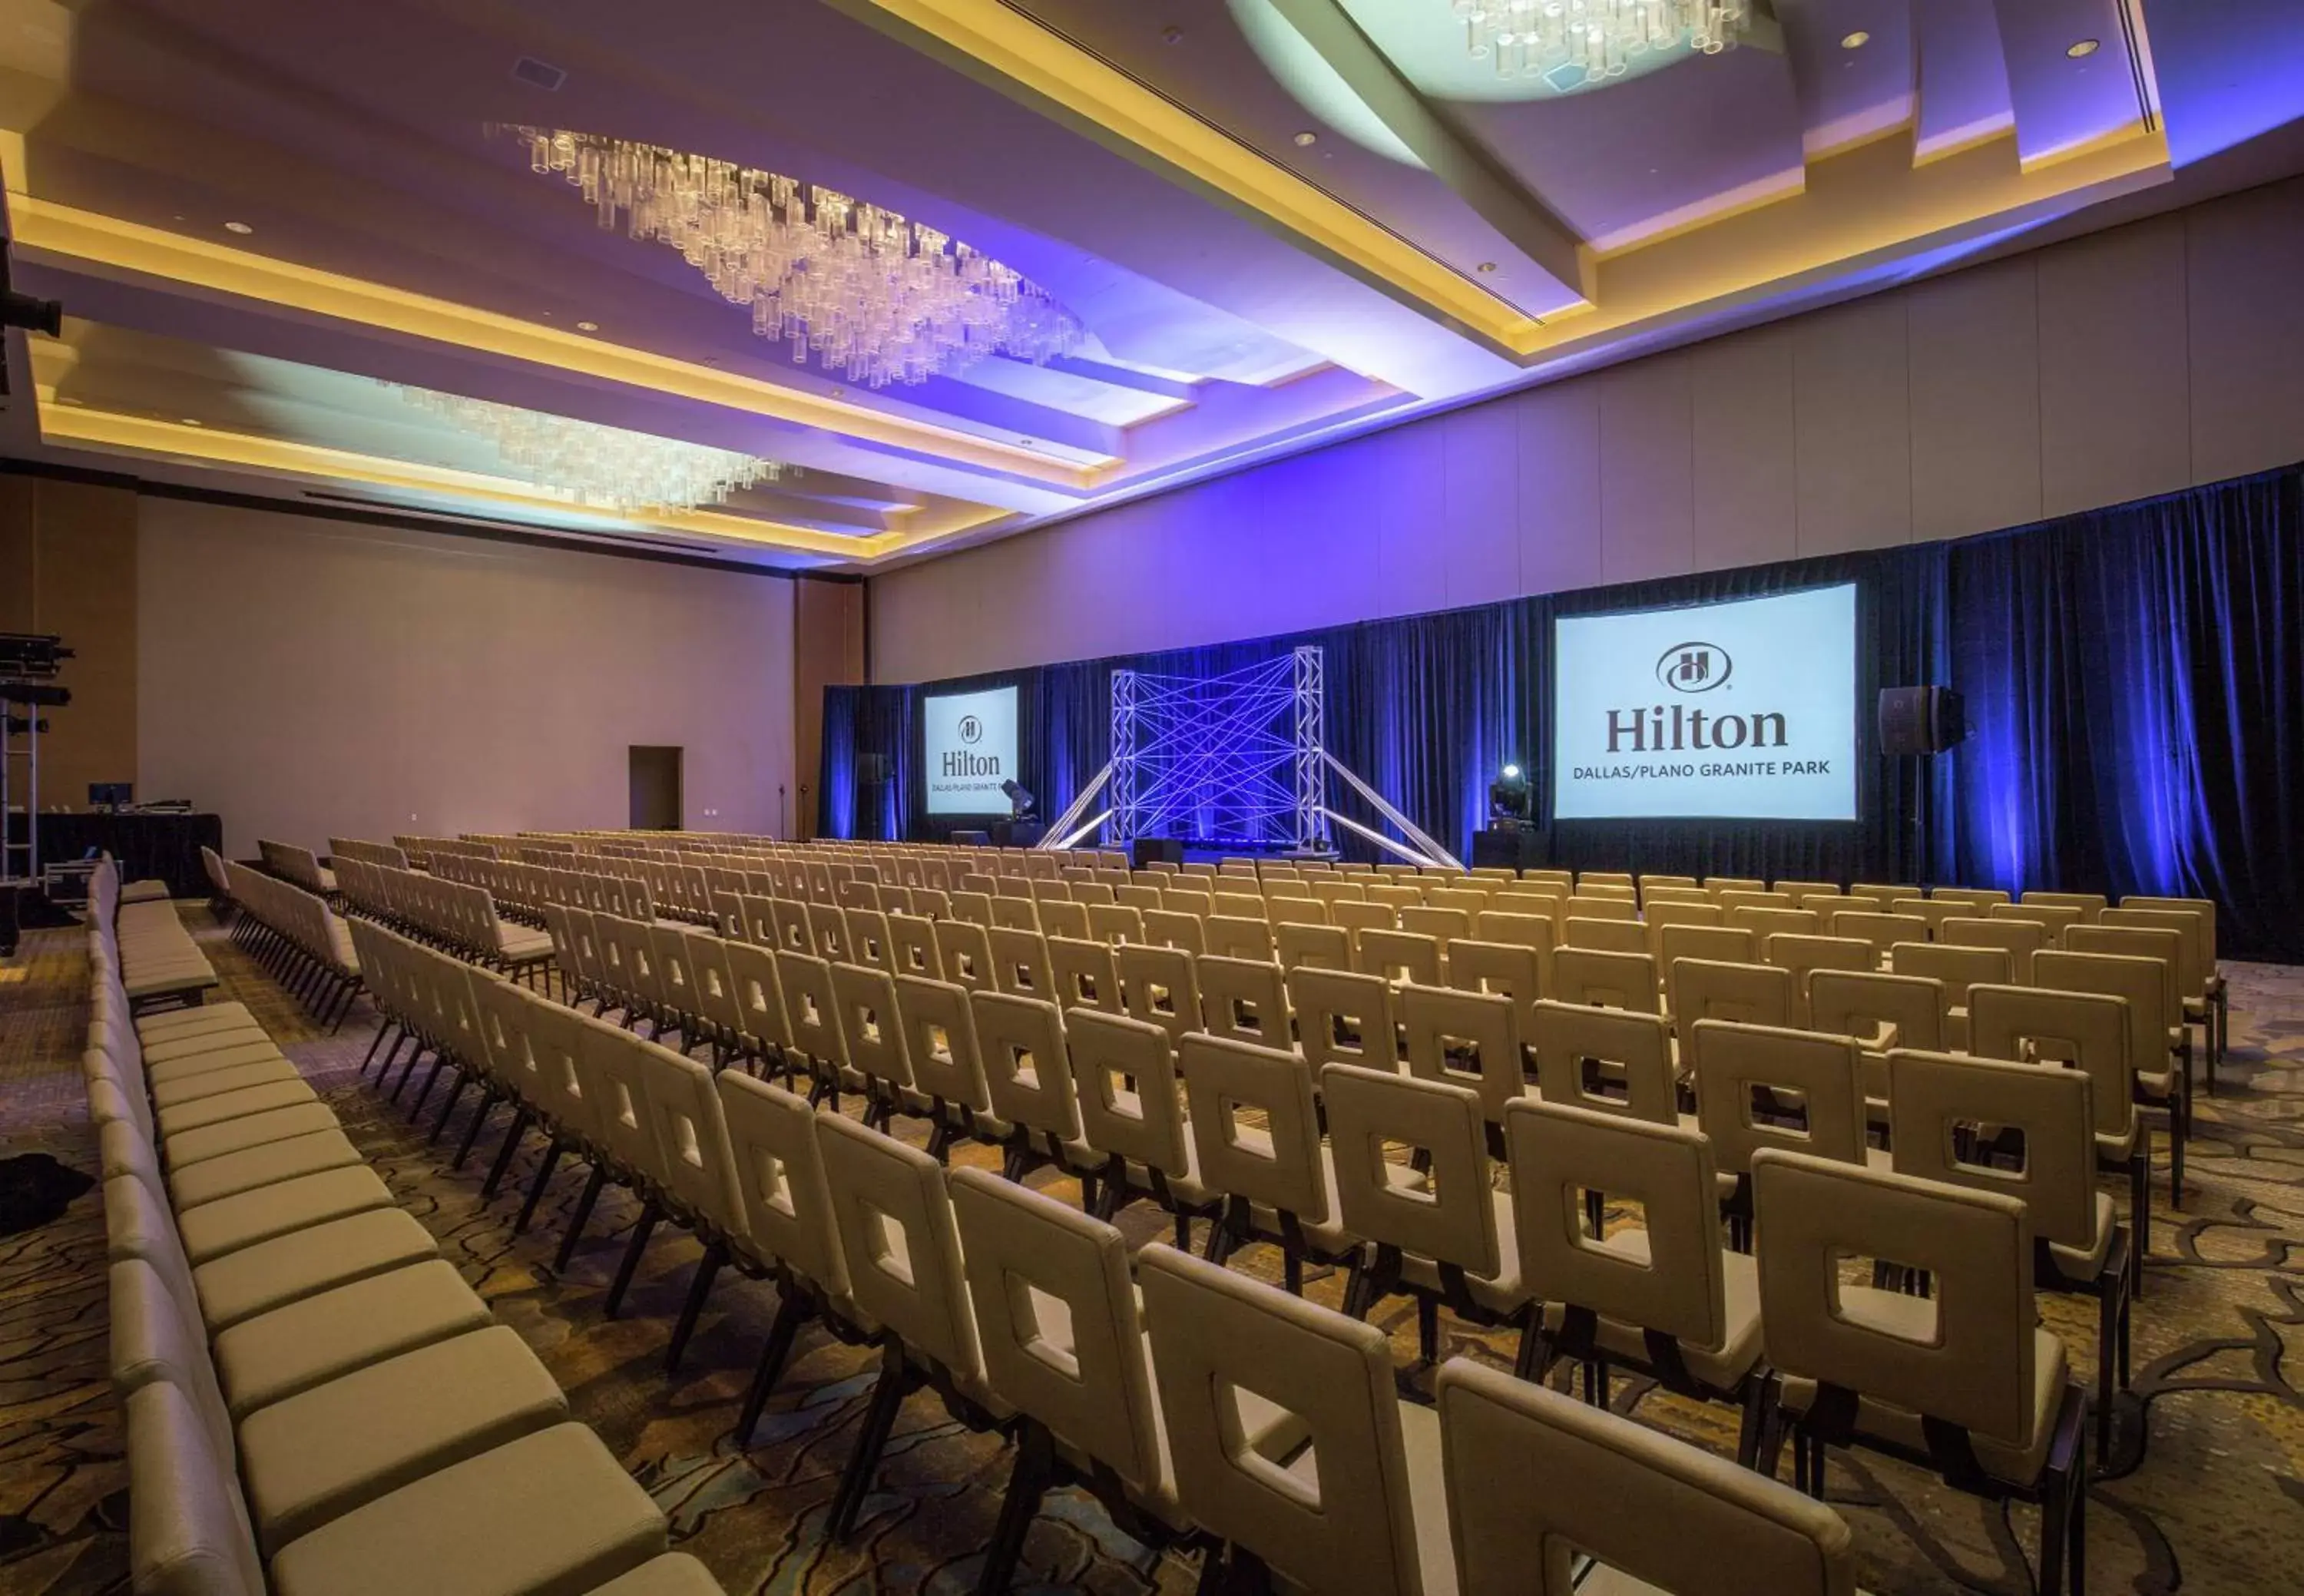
828 651
68 566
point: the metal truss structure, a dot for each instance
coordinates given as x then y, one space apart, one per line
1230 760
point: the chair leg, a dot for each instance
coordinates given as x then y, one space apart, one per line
1427 1328
706 1269
888 1395
448 1106
520 1119
2107 1342
543 1169
488 1100
582 1216
1028 1482
368 1057
2140 1210
791 1308
631 1263
415 1109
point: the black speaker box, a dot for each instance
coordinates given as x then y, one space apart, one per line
1517 848
1146 851
1915 720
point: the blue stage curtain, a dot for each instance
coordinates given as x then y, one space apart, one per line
2134 680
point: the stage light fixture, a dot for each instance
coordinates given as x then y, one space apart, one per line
1508 798
1021 802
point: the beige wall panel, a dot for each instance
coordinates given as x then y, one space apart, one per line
1646 517
1746 467
2115 420
2245 309
1559 485
1852 401
1975 399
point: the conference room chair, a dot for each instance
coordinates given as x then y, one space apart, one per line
1882 930
1610 1482
1731 943
717 1016
1470 900
727 912
763 1033
1962 1382
676 982
1115 922
1468 1038
1197 868
1173 929
1880 1013
1244 1001
1113 871
1763 1086
1257 1144
1354 917
1238 937
1660 1297
1611 935
1601 903
912 947
1982 899
1402 958
937 1021
1935 911
1020 1041
1014 914
1507 970
1702 989
2160 1047
1137 896
1882 896
1610 878
1659 912
1766 923
1956 968
2052 919
1669 883
1443 922
2216 1008
1333 889
1736 904
1654 897
811 1016
1359 1507
1237 869
827 933
1716 886
1185 900
1437 1231
1563 879
1065 919
793 931
1159 986
1591 975
1084 974
1508 922
1613 1060
1345 1016
2029 1133
1320 947
857 895
1131 1102
2021 936
917 1295
2193 968
964 948
1824 905
1293 911
1397 892
1803 955
1289 889
872 1042
1013 900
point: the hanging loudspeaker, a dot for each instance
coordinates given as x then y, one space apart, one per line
1920 720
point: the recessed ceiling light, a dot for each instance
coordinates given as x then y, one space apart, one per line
1306 138
1487 266
238 228
2083 49
587 326
1856 41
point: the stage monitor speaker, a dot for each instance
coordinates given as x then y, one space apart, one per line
971 839
1915 720
1017 834
1520 848
1144 851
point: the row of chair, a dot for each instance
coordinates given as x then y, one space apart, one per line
160 961
293 933
316 1404
298 866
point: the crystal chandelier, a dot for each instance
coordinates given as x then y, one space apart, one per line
877 298
1576 43
608 467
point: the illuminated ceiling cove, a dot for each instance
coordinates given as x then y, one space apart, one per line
1094 248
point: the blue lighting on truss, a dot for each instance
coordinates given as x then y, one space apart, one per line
1230 760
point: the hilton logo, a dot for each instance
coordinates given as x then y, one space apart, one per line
971 730
1693 668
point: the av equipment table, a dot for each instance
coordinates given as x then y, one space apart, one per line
166 846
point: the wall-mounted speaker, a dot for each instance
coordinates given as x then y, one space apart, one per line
1915 720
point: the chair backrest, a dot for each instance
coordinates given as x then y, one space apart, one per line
1237 936
1021 1042
1978 898
1065 919
1020 962
1963 1355
1450 1218
2087 1031
1177 929
1117 922
1803 955
188 1527
897 1236
759 995
1441 923
1610 1485
939 1019
1159 985
1129 1093
2192 970
1467 1038
1667 1278
2141 942
2203 910
1319 947
1084 974
1082 1371
2144 982
698 1161
1596 903
1879 928
1943 1107
871 1034
1735 945
912 949
1612 936
1764 1086
2054 920
1570 1038
611 1065
1880 1011
811 1008
780 1179
1406 956
1344 1523
2020 937
1343 1017
1956 966
2090 904
1276 1163
1589 975
965 949
1709 989
1245 1000
867 932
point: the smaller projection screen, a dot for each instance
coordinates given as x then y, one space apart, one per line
1739 711
970 743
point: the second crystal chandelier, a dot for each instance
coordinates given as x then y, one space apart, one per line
1576 43
876 297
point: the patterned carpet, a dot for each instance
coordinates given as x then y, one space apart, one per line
2216 1505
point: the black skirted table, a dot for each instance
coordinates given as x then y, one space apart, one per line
162 846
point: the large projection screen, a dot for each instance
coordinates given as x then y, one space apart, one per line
970 743
1739 711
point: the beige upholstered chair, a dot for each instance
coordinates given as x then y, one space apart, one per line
1029 1074
912 949
1131 1114
1617 1061
1318 946
2052 919
1610 935
1962 1381
1879 928
1360 1513
1762 1086
1503 969
1245 1000
1705 990
1733 945
2215 1008
1272 1171
811 1014
965 950
2019 937
1020 962
1176 928
1935 911
1237 936
1408 959
1438 1230
1587 975
1956 968
1468 1038
1343 1017
1981 899
2027 1133
1803 955
1609 1483
2157 1046
1159 985
1084 973
1661 1297
1596 904
2195 967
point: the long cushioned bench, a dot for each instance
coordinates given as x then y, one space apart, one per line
318 1404
158 960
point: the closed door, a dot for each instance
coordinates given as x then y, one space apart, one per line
655 788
